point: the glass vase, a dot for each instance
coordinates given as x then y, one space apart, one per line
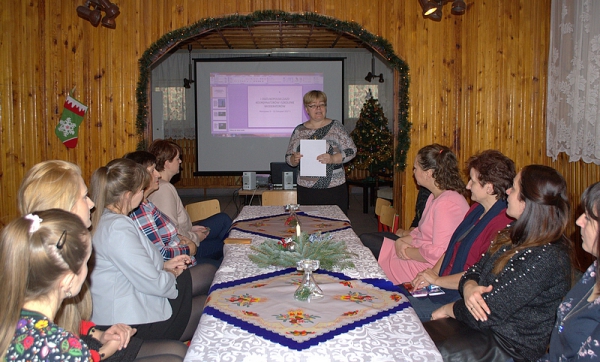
308 289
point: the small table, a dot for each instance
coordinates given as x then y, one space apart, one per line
370 187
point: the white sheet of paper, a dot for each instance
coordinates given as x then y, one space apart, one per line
310 149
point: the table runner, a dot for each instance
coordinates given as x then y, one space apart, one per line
265 305
274 226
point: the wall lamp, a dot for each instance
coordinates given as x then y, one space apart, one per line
371 74
432 9
92 12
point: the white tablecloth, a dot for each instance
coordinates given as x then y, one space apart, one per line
398 337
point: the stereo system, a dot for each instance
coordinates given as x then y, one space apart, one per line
288 180
249 181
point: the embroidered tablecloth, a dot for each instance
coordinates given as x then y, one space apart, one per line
265 306
275 226
399 336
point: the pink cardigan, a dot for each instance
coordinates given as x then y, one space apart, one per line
440 218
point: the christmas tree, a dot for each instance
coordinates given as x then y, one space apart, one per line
374 141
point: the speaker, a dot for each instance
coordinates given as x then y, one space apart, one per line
288 180
249 181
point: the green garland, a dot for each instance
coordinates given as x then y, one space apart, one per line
170 40
329 253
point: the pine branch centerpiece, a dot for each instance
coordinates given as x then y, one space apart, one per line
287 252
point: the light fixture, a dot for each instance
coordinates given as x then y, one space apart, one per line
371 74
93 16
432 9
187 82
92 12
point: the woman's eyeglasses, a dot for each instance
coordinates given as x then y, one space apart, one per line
317 106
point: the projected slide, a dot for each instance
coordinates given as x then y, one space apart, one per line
247 108
259 104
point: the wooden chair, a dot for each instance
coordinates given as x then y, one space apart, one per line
378 205
388 219
279 198
202 209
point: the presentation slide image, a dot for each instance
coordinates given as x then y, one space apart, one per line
219 126
219 103
218 92
219 115
274 106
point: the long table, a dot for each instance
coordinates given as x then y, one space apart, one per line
399 336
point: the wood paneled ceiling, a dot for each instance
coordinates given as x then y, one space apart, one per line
272 35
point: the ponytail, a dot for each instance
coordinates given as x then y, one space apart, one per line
36 251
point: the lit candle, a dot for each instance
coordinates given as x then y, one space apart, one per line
298 230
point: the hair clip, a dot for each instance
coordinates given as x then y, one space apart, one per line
441 150
61 241
36 222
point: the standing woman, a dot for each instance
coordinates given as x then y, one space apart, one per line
436 169
576 334
130 281
510 296
43 260
330 189
208 234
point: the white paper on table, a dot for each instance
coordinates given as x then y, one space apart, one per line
309 165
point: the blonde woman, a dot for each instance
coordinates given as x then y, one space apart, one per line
58 184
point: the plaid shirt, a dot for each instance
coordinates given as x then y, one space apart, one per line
160 231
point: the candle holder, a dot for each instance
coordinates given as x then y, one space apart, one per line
308 288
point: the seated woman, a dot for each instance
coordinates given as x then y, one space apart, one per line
130 281
510 296
436 169
576 334
163 234
58 184
43 260
207 234
490 175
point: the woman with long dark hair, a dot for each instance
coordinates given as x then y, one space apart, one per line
576 334
510 296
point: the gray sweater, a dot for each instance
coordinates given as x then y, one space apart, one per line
524 297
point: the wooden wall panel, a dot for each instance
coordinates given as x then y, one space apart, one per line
477 81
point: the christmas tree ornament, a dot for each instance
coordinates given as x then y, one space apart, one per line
67 129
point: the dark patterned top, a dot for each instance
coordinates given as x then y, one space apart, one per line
576 335
338 141
38 339
524 297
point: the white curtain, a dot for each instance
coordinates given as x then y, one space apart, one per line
573 115
176 118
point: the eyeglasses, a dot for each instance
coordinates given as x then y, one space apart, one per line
317 106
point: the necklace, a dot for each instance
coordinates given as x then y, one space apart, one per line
578 308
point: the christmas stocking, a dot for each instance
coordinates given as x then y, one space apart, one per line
70 119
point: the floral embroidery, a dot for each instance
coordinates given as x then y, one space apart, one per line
296 317
355 297
300 333
244 300
36 338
